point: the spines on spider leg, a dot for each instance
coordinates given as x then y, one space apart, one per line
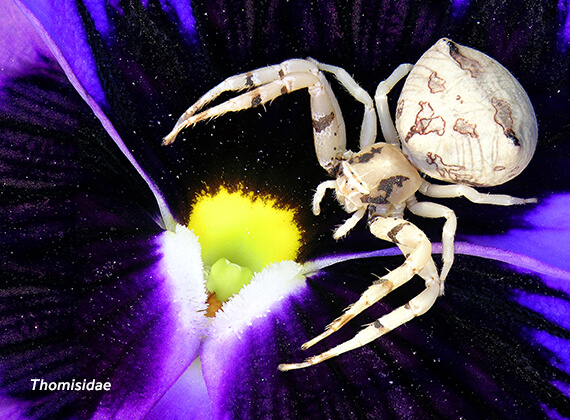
253 79
415 307
330 328
239 82
373 294
342 230
398 231
320 193
251 99
429 272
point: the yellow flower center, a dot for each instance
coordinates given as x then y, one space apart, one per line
240 234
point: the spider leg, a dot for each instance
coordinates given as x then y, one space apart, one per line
408 237
349 223
368 128
328 124
459 190
415 307
343 229
434 210
381 98
320 193
248 80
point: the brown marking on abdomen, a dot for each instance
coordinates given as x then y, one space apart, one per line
504 117
435 83
453 172
426 122
463 126
399 109
466 63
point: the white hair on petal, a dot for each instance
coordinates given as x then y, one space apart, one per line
267 288
182 265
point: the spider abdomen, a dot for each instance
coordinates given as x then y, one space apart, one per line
463 118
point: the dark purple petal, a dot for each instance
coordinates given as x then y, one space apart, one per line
472 355
123 61
88 289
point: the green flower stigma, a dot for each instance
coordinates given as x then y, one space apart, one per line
226 277
240 234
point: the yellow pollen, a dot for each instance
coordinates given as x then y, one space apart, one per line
240 234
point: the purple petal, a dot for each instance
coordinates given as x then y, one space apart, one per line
88 290
470 355
187 398
543 235
19 42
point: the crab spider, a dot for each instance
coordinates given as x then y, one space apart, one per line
461 118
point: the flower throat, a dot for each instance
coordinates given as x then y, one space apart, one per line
240 234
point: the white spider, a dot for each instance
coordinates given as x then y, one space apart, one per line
461 118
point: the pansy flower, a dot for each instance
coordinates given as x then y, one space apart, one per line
105 253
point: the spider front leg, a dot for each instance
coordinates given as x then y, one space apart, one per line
418 261
328 124
368 128
248 80
349 223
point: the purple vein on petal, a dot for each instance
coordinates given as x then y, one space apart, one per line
167 220
564 9
185 16
97 8
518 260
459 7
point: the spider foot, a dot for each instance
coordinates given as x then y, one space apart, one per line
334 326
311 361
415 307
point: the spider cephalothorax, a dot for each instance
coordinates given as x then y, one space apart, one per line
461 118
